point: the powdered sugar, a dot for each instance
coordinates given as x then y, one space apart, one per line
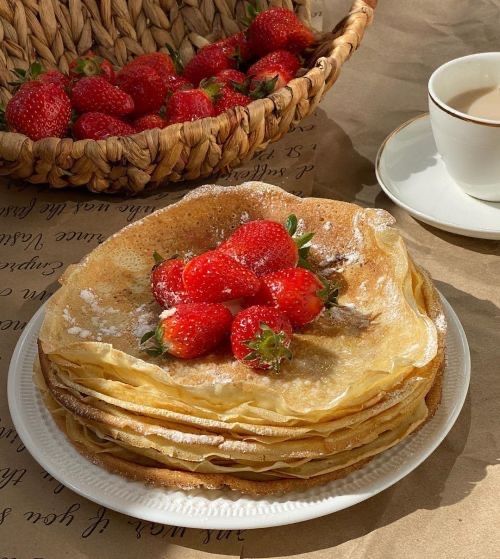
440 322
77 331
168 312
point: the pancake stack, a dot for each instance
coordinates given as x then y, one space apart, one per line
363 376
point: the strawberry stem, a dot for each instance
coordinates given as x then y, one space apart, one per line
302 241
269 348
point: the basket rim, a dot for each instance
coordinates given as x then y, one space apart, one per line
359 17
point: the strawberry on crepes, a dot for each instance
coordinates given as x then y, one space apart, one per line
261 337
278 28
297 293
214 277
99 126
39 110
167 284
266 246
189 330
96 94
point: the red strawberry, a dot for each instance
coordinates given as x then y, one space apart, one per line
191 104
167 284
209 61
96 94
146 87
159 61
91 65
278 28
272 72
214 277
240 44
261 337
267 246
230 77
190 330
297 293
54 76
98 126
230 98
39 110
148 122
36 72
174 83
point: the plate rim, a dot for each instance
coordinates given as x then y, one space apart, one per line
449 226
266 520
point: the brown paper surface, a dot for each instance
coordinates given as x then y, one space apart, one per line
448 507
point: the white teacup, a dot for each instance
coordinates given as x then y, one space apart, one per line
469 146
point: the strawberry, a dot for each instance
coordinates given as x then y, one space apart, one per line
98 126
158 61
278 28
214 277
230 98
174 83
261 337
148 122
91 65
297 293
231 77
36 72
191 104
96 94
239 42
189 330
146 87
54 76
267 246
272 72
209 61
166 282
39 110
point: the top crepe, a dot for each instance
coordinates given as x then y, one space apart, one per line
380 347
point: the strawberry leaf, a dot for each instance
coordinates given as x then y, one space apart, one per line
269 348
330 292
264 88
176 58
147 336
158 258
291 224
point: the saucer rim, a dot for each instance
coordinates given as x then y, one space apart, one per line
449 226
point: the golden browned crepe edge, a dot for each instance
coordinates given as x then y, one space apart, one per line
179 479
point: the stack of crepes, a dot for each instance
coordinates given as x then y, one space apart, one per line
363 376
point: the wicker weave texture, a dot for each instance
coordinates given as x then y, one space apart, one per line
55 32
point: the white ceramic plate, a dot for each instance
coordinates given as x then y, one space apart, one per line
413 175
224 509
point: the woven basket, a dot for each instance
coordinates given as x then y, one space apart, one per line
55 32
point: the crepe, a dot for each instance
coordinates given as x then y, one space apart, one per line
363 376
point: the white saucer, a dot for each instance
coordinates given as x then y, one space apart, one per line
226 510
413 175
